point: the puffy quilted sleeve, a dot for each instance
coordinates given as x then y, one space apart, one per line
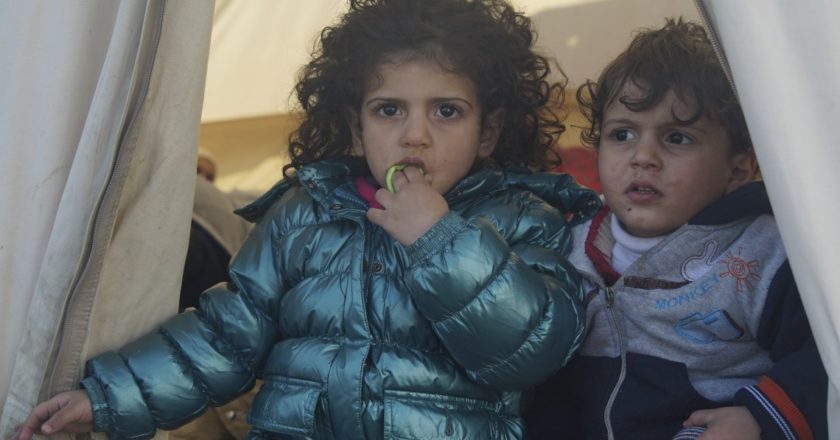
202 357
500 293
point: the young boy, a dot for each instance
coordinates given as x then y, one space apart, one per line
694 323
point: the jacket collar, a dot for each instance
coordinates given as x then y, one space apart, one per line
749 200
330 183
323 180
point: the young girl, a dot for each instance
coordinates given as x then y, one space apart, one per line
414 314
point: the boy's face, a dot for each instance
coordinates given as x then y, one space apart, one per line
657 174
422 115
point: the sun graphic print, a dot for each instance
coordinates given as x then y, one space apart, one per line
742 270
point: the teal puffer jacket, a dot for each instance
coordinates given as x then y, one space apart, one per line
357 336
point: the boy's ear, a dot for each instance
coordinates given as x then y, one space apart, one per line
490 133
742 169
355 125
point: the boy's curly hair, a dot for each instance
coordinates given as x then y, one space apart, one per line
678 57
487 40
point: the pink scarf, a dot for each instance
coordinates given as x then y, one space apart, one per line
367 190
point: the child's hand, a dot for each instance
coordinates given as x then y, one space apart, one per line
728 423
412 209
69 411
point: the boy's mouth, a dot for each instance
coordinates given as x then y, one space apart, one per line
642 191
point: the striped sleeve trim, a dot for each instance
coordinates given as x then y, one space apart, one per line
690 433
784 412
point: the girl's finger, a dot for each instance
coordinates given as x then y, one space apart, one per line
67 415
400 179
39 414
383 197
23 433
412 173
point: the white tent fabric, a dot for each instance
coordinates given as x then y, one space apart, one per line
258 46
785 62
269 40
99 116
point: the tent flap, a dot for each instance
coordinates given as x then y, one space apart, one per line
785 64
116 222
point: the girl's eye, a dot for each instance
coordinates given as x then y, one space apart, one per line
387 110
677 138
447 111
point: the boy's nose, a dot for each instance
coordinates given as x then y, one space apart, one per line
646 154
416 132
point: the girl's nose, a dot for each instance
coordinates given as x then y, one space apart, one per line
646 154
416 131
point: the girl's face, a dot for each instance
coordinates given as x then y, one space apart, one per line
656 173
416 113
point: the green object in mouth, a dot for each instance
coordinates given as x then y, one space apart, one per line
389 175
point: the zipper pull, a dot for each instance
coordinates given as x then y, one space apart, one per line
610 296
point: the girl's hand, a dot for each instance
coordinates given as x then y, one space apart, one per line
728 423
70 411
412 209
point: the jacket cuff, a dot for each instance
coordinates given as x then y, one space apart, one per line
436 237
775 412
102 420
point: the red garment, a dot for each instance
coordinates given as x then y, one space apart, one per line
367 190
582 164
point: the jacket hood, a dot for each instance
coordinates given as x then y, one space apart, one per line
749 200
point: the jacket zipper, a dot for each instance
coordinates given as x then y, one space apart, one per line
368 233
610 298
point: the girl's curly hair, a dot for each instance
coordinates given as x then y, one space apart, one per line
678 57
487 40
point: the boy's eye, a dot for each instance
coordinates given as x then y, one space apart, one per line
622 135
387 109
447 111
677 138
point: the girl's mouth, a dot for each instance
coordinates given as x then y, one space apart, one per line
412 162
399 166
